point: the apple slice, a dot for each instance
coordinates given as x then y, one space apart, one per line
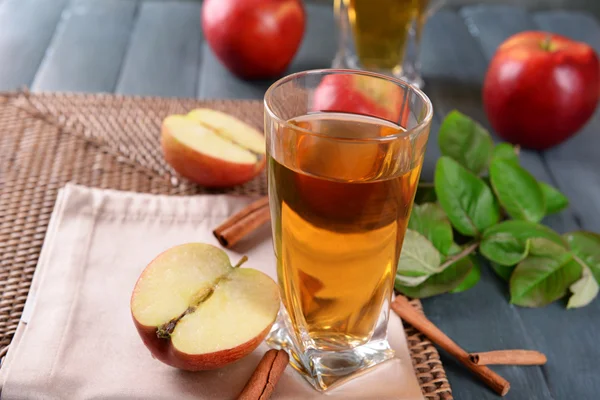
230 128
195 311
207 156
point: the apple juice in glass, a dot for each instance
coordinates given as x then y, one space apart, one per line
382 35
342 177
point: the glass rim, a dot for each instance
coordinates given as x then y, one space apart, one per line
329 71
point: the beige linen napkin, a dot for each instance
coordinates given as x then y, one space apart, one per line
77 340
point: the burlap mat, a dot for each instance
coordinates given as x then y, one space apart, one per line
106 141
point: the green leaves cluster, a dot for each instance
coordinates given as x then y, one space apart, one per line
483 203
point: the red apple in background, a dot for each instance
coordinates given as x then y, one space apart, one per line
541 88
254 38
358 94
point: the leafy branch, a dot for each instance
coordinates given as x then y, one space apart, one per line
482 195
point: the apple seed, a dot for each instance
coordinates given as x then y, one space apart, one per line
165 330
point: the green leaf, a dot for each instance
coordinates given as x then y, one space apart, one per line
543 247
439 283
503 271
466 199
505 151
465 141
506 243
471 279
544 276
586 246
555 200
418 260
505 249
517 190
584 290
430 221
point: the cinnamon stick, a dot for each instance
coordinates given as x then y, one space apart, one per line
402 307
261 384
242 223
508 357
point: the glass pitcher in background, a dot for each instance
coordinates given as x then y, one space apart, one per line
382 35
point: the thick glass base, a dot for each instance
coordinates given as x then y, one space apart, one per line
327 369
408 72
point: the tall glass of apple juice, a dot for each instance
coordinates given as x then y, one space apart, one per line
345 150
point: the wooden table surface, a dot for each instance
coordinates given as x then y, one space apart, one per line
156 48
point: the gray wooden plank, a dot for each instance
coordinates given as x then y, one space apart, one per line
316 51
27 29
217 82
567 337
87 51
164 52
319 44
449 72
451 63
575 163
590 5
492 24
481 318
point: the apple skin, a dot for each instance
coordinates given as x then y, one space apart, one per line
537 97
254 38
359 95
163 350
204 169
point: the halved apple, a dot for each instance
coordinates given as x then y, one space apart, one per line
220 151
230 128
195 311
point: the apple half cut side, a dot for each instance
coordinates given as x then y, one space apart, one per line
195 311
210 156
230 128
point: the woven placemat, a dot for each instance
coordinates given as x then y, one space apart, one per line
106 141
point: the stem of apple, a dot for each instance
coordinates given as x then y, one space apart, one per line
239 263
546 44
517 149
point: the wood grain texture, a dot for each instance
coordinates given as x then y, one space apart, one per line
320 40
567 337
575 166
449 72
216 82
164 52
87 51
481 317
575 163
316 51
27 27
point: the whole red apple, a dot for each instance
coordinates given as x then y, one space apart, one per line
541 88
254 38
358 94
